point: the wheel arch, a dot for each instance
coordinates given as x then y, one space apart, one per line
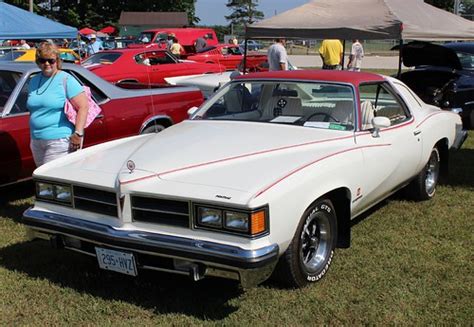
443 148
341 200
164 120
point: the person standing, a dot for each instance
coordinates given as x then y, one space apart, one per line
355 58
52 135
277 56
94 46
24 45
176 48
200 43
234 41
331 52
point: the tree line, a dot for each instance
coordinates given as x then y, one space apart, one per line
100 13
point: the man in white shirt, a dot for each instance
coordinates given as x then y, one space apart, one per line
24 45
277 56
355 58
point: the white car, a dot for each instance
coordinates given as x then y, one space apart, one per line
264 178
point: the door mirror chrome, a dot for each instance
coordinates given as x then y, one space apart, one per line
378 123
192 111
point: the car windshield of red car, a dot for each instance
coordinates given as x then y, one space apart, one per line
102 58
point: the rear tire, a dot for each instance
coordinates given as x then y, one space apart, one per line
423 187
155 128
310 253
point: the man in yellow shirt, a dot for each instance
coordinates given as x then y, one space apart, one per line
331 53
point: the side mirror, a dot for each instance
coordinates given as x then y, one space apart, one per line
192 111
378 123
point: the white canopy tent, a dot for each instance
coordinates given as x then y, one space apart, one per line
365 19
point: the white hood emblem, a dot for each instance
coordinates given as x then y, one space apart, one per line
131 166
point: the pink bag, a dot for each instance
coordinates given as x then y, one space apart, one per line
71 112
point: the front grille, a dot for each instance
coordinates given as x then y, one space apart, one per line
160 211
93 200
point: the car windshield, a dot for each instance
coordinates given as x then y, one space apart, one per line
466 59
145 37
102 58
10 55
306 104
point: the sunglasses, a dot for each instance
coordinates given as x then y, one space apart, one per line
47 60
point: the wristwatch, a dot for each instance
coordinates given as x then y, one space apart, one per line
79 134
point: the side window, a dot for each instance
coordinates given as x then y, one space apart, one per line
8 81
378 100
159 58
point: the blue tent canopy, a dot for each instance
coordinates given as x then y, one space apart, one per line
16 23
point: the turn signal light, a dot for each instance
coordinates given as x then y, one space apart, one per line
257 222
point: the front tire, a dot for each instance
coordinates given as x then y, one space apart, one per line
423 187
311 250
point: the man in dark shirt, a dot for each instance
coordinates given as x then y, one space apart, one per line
200 43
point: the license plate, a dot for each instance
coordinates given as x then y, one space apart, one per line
118 261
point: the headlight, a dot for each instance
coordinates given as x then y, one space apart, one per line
237 220
44 191
59 193
62 193
209 217
246 222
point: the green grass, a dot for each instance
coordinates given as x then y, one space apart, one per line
409 264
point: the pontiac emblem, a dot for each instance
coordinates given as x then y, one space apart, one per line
131 166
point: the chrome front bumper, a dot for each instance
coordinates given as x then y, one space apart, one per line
195 258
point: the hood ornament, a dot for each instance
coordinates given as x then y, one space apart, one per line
131 166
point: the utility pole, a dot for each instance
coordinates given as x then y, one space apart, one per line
31 5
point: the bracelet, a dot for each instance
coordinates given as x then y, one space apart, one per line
79 134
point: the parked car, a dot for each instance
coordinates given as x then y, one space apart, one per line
230 56
124 113
144 65
443 75
252 45
186 36
265 177
67 55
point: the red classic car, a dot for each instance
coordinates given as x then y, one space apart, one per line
144 65
230 56
125 112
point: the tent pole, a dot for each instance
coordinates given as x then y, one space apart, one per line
343 53
245 51
400 46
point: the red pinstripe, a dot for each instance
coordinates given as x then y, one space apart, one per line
236 157
312 163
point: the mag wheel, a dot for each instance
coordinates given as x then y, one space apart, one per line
310 253
423 187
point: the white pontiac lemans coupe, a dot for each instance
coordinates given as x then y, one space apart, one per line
264 178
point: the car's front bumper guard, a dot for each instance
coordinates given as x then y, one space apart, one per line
252 266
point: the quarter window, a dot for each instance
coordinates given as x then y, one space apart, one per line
379 100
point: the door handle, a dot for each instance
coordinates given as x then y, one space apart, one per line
99 116
416 132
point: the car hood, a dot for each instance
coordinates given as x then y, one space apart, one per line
237 156
429 54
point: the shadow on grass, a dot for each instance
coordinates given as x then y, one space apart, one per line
163 293
461 172
11 204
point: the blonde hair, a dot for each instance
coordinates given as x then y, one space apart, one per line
48 49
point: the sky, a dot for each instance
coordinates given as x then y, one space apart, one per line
212 12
